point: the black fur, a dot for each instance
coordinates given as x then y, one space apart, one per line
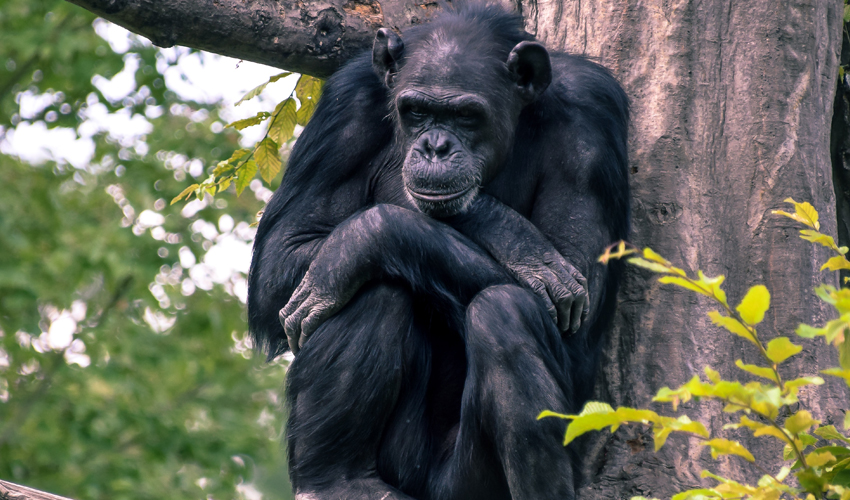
427 383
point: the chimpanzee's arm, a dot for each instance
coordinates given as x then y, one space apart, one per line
386 241
516 244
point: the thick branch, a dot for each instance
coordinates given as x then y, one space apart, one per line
12 491
309 36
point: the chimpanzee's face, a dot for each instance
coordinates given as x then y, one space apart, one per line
456 112
457 105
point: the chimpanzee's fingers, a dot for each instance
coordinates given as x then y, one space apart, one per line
579 305
538 286
563 298
290 330
310 324
292 324
298 296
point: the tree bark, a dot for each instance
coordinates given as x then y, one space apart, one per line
12 491
313 37
732 104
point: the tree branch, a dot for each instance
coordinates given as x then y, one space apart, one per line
313 37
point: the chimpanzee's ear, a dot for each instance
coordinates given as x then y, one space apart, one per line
529 67
386 54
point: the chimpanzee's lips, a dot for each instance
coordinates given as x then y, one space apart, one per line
437 196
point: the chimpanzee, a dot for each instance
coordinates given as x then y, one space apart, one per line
425 256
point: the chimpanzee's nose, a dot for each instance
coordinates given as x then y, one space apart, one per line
436 144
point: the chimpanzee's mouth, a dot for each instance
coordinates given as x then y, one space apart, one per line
438 196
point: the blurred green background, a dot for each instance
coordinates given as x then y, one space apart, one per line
125 370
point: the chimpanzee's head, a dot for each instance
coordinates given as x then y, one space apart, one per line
456 94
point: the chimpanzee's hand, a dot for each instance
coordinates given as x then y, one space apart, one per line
328 285
561 286
515 243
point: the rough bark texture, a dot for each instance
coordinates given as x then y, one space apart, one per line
313 37
12 491
732 105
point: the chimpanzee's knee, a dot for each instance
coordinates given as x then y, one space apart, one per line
506 320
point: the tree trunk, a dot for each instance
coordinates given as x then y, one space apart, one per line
732 104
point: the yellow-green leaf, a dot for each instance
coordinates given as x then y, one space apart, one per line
282 127
186 192
259 89
757 371
308 90
249 122
838 372
793 385
754 305
650 254
800 422
803 212
820 238
771 431
836 263
268 159
809 332
830 432
652 266
720 446
244 175
684 283
819 458
731 324
698 494
780 349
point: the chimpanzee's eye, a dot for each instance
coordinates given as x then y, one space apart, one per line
415 110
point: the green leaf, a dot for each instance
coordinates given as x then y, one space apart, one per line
282 127
809 332
780 349
757 371
830 432
731 324
754 305
267 155
186 192
244 175
800 422
249 122
720 446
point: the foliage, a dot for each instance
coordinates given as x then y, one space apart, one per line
243 164
817 455
125 370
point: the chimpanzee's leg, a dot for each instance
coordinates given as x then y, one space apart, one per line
341 388
517 367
